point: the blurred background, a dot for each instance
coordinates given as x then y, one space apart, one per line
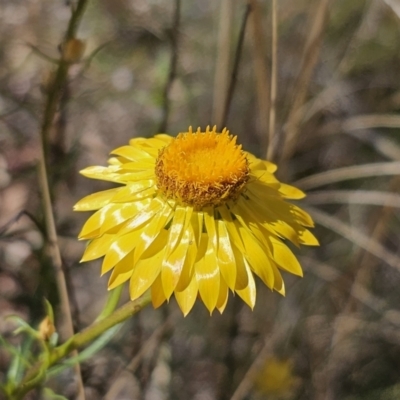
159 66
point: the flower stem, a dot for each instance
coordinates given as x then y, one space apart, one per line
111 302
78 340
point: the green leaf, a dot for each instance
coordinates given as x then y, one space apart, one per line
49 310
48 394
96 346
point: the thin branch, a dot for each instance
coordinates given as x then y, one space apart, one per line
223 63
172 66
274 82
236 64
52 104
260 67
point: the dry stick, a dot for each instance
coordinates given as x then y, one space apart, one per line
221 81
55 258
172 66
235 70
260 67
274 81
52 104
310 58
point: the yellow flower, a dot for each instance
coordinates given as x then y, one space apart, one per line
193 215
276 378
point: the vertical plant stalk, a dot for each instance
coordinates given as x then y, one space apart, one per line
236 63
309 61
261 68
274 81
52 104
222 67
172 66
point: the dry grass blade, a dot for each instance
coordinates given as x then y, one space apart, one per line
346 173
274 82
260 66
372 121
331 274
357 237
367 197
310 58
222 66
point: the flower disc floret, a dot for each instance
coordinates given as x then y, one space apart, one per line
202 168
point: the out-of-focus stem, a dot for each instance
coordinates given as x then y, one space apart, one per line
80 339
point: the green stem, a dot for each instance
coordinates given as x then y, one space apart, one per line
111 303
78 340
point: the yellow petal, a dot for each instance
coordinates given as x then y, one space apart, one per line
132 153
142 165
118 214
279 285
96 200
144 274
223 296
291 192
119 248
259 262
93 224
187 297
210 226
307 238
248 294
273 217
188 267
172 265
226 258
207 274
233 233
241 271
256 163
97 247
152 230
301 216
121 272
144 215
248 220
109 173
285 258
157 293
176 228
135 191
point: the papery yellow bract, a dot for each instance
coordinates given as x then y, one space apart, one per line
193 216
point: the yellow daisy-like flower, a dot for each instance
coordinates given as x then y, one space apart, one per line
194 215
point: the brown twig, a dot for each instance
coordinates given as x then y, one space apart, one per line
52 104
222 66
260 67
274 81
236 63
172 66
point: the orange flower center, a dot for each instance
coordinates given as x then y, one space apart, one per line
202 168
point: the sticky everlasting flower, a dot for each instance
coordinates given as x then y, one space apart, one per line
194 216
